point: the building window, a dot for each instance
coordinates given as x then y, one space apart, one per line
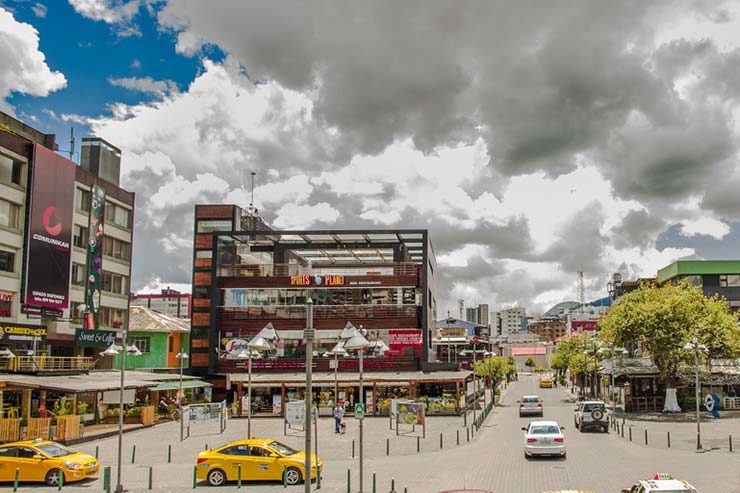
7 261
78 274
110 317
82 199
115 248
204 254
9 215
211 226
171 341
729 280
11 170
143 343
113 283
117 215
79 236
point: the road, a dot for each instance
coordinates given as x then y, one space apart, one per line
492 461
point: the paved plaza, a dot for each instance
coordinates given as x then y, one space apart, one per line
493 460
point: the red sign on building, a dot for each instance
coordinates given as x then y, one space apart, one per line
399 339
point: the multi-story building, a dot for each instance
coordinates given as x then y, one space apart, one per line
548 329
477 315
246 276
45 235
715 277
510 321
169 302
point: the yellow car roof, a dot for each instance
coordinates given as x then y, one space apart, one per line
27 442
250 441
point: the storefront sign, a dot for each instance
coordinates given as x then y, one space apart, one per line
203 413
6 304
50 229
399 339
95 253
318 280
295 413
279 364
94 338
452 332
21 333
277 404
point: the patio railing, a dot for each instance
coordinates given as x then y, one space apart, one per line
34 364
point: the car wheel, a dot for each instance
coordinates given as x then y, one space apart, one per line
292 476
53 477
216 477
565 456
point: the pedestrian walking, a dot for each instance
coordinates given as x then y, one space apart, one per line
338 416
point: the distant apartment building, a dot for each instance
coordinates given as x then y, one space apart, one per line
477 315
584 318
509 321
53 214
168 301
547 329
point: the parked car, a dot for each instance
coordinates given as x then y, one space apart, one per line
258 459
546 383
544 438
530 405
45 461
661 483
591 414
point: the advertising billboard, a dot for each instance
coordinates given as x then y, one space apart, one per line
95 252
50 229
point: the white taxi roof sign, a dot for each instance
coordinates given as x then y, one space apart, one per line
663 475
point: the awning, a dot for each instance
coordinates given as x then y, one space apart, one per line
443 341
186 384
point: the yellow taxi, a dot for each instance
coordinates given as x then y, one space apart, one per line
259 459
44 460
546 383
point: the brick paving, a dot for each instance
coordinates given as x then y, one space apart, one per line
493 460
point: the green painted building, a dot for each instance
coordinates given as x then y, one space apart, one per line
159 337
720 277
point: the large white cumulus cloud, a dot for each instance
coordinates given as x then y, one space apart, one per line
534 139
24 67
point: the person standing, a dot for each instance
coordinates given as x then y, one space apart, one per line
338 415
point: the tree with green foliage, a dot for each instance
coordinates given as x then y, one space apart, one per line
529 363
569 356
663 319
495 368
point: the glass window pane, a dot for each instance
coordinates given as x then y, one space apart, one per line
7 261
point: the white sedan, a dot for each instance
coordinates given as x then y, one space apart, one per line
544 438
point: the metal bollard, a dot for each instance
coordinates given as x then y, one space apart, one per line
467 434
96 451
405 489
374 482
440 440
349 488
169 454
15 481
646 440
195 471
106 479
318 479
730 443
150 477
668 433
206 447
418 444
285 476
61 481
458 437
387 446
133 454
630 433
239 476
393 485
622 430
353 448
465 418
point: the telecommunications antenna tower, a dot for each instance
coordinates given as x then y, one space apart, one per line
252 210
461 307
581 291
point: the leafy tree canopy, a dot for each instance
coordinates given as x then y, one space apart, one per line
664 318
496 368
569 355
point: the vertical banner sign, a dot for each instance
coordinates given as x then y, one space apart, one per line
50 229
94 255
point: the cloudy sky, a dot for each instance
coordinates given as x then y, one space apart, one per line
534 139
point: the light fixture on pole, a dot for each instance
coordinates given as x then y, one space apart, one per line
114 350
337 351
181 356
612 381
357 342
308 335
256 344
696 347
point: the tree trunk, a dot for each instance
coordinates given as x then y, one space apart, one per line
671 401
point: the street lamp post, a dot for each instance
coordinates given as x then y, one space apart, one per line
612 380
113 350
308 334
696 347
475 381
337 351
182 356
355 339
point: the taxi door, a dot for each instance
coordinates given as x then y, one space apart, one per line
265 464
237 457
31 469
8 457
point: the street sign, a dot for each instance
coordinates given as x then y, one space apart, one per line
359 411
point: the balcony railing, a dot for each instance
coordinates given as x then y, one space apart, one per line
326 311
35 364
287 270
